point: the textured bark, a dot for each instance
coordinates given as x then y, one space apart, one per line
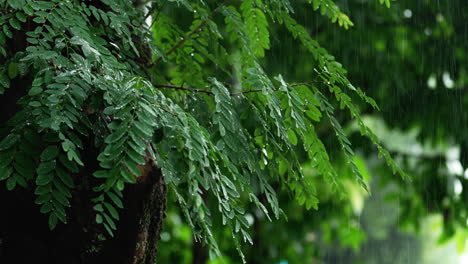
25 237
150 221
138 234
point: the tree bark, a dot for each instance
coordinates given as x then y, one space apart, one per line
25 237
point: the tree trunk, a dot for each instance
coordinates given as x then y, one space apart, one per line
25 237
199 253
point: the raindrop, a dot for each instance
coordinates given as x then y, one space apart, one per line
428 31
448 82
457 187
249 219
455 167
408 13
453 153
165 236
432 81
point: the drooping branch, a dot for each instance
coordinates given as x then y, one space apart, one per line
208 92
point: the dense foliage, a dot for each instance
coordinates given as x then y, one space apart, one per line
240 108
197 105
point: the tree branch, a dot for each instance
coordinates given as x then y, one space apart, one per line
182 41
189 36
170 86
208 92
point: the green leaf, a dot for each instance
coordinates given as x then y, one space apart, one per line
127 176
115 199
98 207
15 24
20 180
39 20
42 5
111 209
118 134
41 199
11 183
12 70
43 179
108 229
35 90
60 198
65 177
52 221
49 153
8 142
133 168
101 174
109 221
46 167
43 189
99 218
144 128
4 81
73 156
137 158
70 165
5 160
7 31
292 137
16 4
46 208
5 173
21 17
34 104
256 26
62 188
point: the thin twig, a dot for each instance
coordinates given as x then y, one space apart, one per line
276 89
189 36
308 83
167 110
208 92
183 88
182 41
